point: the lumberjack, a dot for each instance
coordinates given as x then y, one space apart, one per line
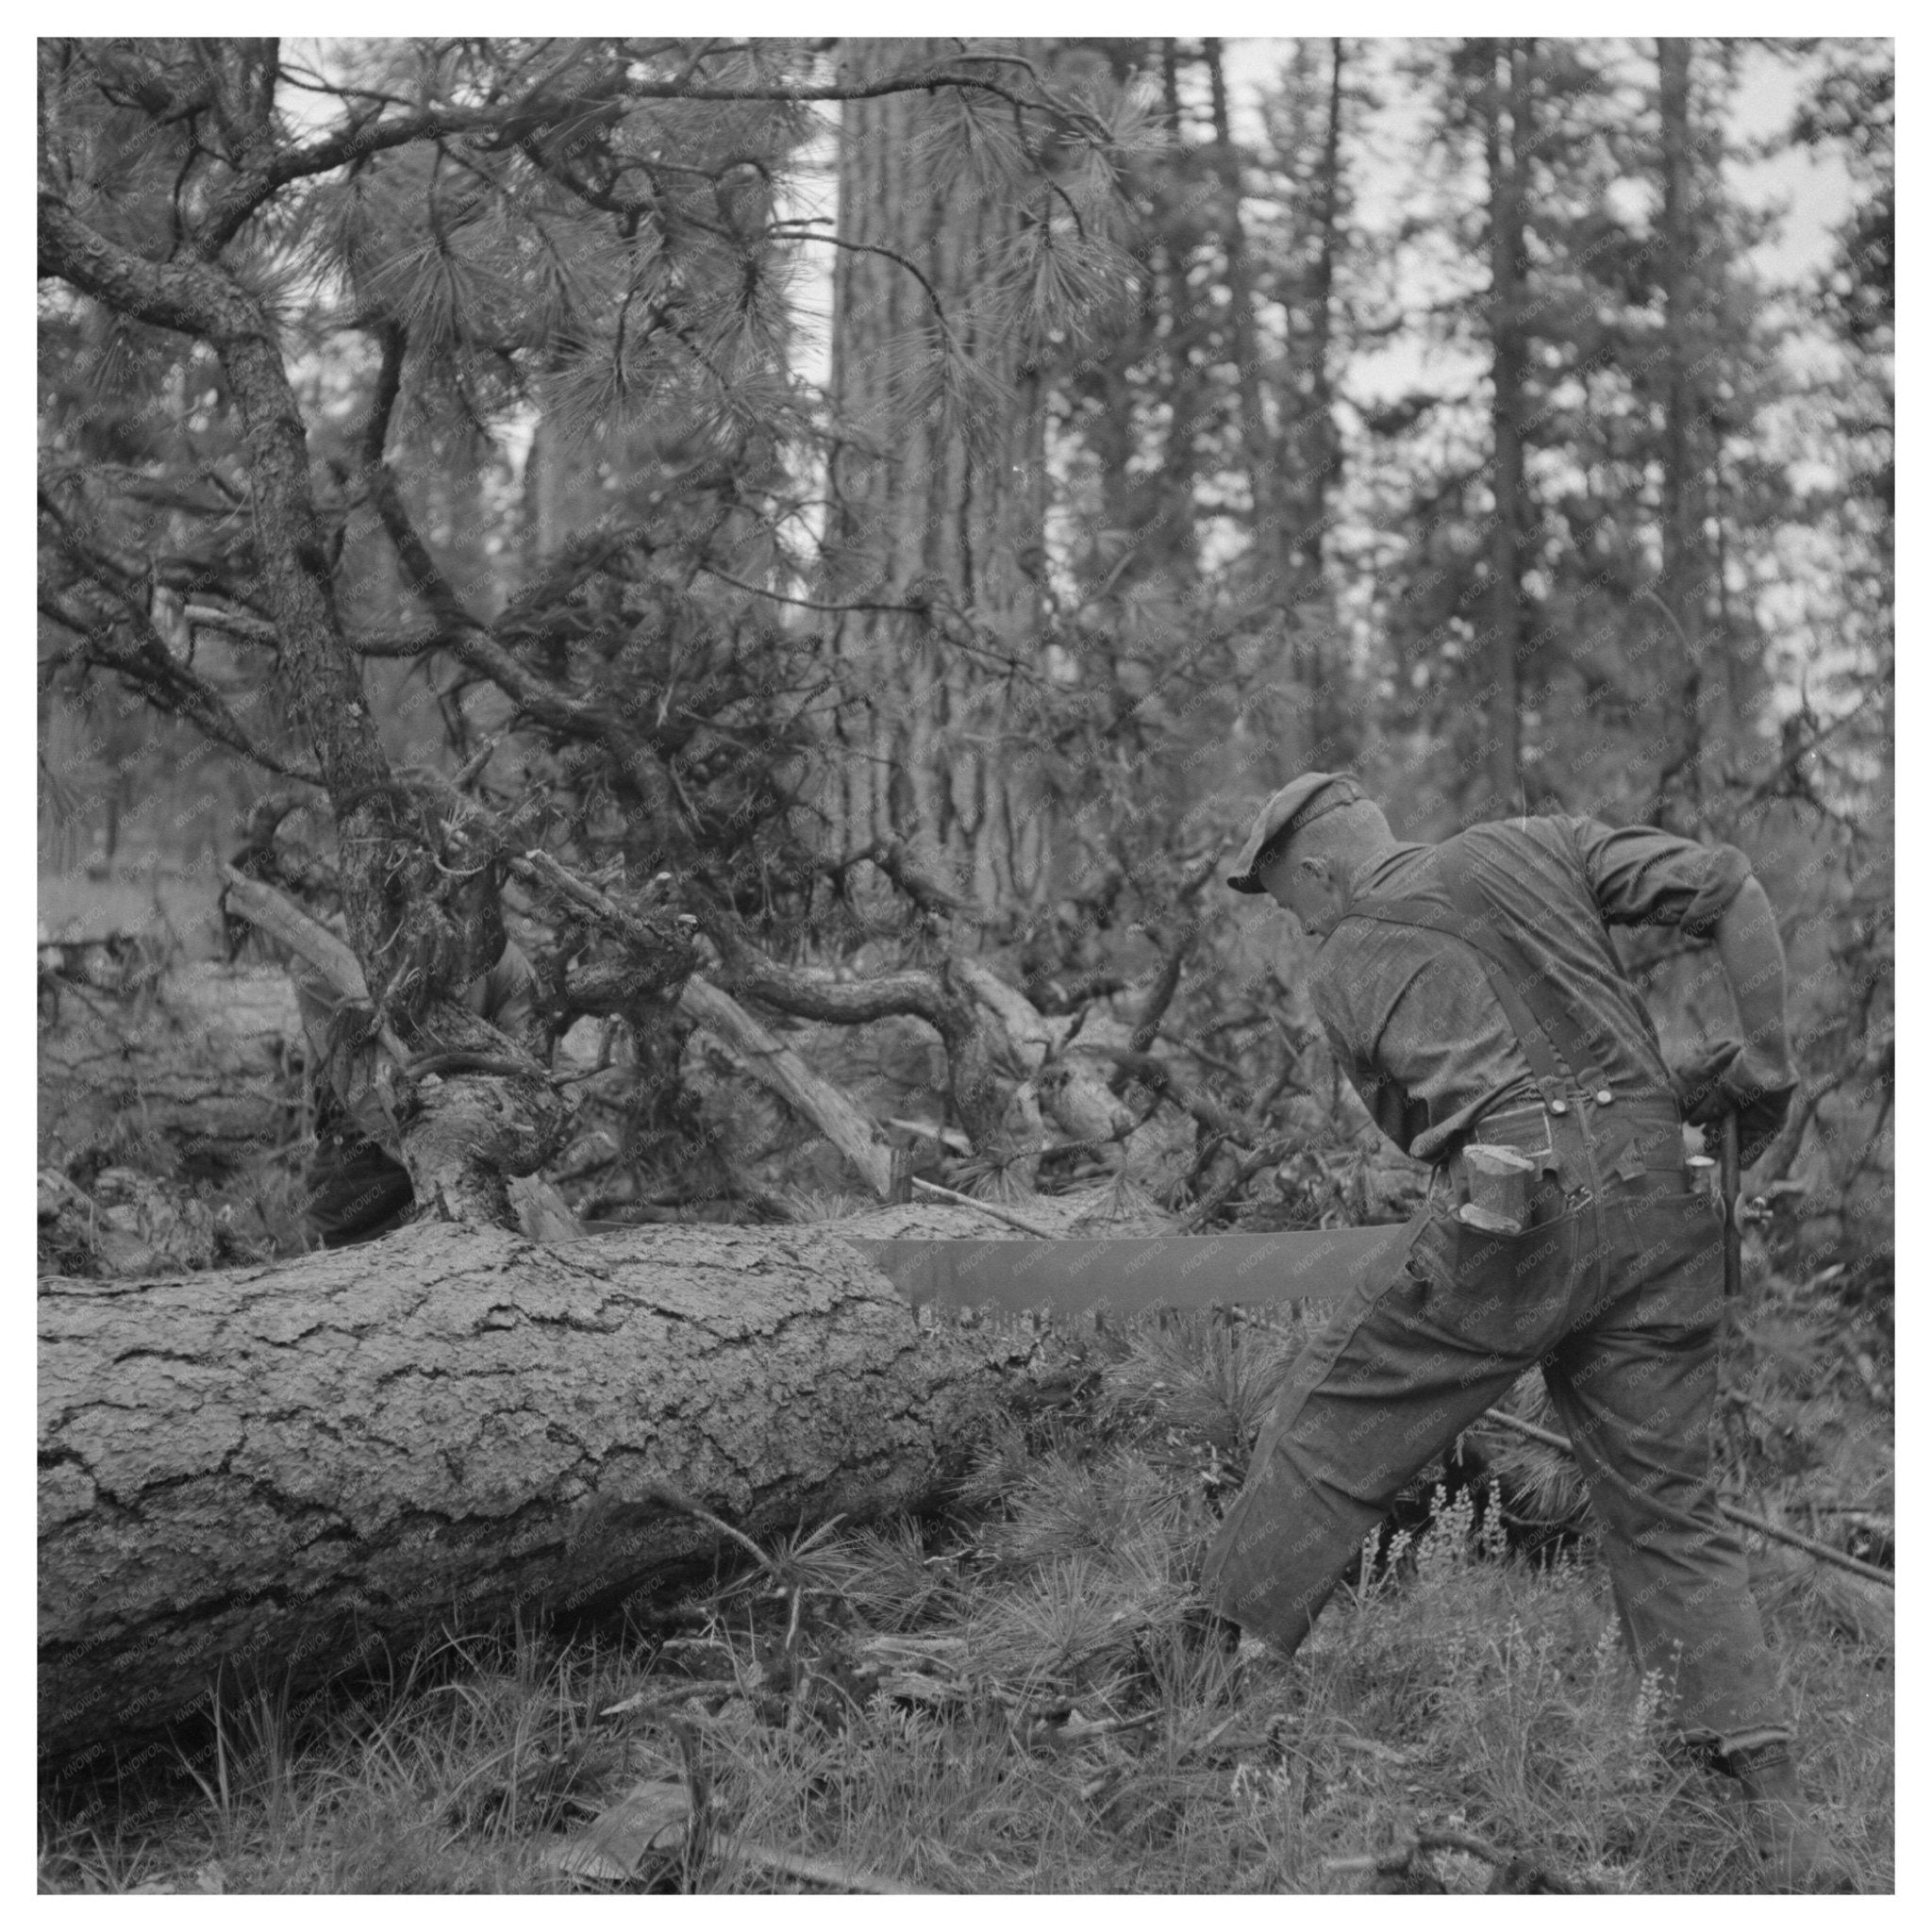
1472 996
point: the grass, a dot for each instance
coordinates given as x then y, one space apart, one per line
1025 1698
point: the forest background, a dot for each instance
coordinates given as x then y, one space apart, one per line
880 515
1012 513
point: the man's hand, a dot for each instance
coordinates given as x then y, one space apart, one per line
1729 1077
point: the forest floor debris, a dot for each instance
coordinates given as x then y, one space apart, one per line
1023 1697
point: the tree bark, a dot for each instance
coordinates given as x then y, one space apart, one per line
939 500
1175 538
1325 457
1257 439
1506 148
272 1473
1318 454
1680 589
417 947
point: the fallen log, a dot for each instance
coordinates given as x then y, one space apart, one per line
272 1473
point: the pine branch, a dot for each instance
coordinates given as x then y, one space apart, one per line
188 297
1075 115
474 644
259 630
815 995
422 573
711 570
893 255
175 689
540 110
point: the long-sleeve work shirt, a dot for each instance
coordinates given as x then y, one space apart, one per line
1410 1014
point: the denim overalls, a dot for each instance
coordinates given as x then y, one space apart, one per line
1615 1288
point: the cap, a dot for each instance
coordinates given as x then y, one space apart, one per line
1299 803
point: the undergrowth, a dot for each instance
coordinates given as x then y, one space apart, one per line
1023 1696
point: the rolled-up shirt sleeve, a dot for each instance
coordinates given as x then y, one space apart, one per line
1643 877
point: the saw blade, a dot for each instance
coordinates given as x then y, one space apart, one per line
1123 1274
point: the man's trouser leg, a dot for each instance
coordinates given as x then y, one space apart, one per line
1635 1384
1386 1385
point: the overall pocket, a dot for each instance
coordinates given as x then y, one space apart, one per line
1670 1229
1505 1290
1671 1275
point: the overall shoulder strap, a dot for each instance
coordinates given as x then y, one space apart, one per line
1543 1060
1550 1035
1552 1014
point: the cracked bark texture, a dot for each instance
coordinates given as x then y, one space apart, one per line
277 1470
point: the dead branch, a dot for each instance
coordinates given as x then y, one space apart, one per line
824 1872
1512 1874
927 891
1011 1220
1745 1519
662 956
1074 1094
293 929
1265 1156
674 1498
1159 996
767 1058
979 1057
771 1063
1170 1086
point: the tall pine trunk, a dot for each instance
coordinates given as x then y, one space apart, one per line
1316 452
1183 385
936 505
1681 588
1505 147
1257 444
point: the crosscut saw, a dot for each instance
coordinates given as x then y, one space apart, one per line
1125 1274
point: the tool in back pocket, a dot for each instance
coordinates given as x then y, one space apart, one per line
1499 1180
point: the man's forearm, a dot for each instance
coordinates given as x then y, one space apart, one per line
1753 958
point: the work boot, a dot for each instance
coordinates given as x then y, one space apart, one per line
1795 1852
